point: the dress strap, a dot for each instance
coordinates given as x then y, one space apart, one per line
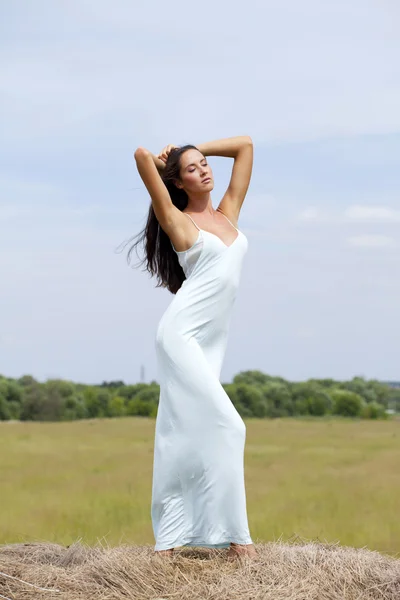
220 211
192 220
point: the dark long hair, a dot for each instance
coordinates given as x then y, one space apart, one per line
160 258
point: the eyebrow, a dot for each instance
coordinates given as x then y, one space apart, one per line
194 164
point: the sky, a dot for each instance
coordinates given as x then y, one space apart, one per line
317 87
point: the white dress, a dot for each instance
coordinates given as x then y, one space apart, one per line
198 494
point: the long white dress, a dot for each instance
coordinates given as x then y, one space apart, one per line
198 493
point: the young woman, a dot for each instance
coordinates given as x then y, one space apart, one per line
198 495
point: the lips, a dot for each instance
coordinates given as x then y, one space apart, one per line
206 179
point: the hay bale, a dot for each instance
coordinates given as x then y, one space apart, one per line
281 571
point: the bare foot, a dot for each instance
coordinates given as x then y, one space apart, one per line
239 550
168 552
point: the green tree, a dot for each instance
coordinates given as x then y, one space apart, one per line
394 399
373 410
64 388
382 392
129 391
14 392
360 386
32 402
53 401
27 380
96 401
256 378
278 399
145 402
251 400
324 383
74 407
310 398
5 413
346 404
232 391
113 385
116 406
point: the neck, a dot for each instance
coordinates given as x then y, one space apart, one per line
199 203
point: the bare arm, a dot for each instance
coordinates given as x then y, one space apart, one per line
150 167
169 217
229 147
239 148
159 164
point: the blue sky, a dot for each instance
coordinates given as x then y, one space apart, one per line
316 85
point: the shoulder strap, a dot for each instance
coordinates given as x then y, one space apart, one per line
192 220
228 220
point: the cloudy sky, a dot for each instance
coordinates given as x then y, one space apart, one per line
316 85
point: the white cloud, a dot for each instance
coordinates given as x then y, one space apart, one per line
351 215
372 241
379 214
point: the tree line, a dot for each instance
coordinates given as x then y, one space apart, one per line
253 393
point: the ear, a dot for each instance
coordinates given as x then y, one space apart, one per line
178 184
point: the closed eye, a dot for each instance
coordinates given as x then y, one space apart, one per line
203 165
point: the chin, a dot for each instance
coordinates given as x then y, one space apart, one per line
204 187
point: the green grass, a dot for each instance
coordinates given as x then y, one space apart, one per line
328 479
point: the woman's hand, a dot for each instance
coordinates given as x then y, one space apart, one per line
165 151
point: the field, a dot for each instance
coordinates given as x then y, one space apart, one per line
328 480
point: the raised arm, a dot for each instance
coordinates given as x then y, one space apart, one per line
239 148
150 168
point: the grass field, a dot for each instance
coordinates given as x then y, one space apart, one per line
332 480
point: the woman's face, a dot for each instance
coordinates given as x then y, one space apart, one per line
194 173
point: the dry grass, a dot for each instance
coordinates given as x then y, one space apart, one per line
282 571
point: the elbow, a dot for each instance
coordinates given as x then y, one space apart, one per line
245 145
141 153
247 141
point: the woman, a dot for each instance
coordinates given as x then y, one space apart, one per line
198 495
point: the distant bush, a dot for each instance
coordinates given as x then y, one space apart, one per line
116 407
145 402
373 410
253 393
346 404
310 398
279 399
